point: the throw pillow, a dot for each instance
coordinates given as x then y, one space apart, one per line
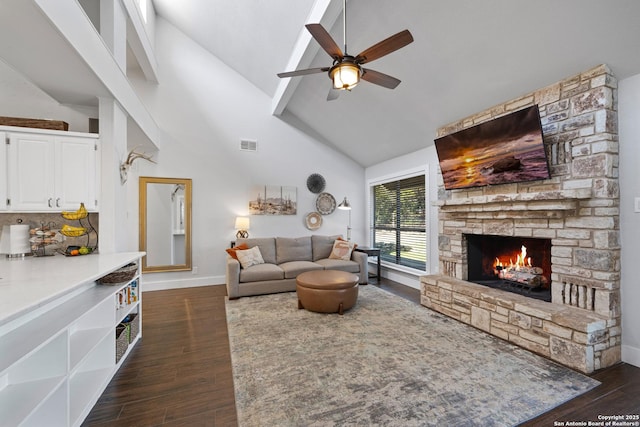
341 250
355 245
249 257
240 247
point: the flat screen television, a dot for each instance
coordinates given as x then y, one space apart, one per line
503 150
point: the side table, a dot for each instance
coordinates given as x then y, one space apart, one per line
371 252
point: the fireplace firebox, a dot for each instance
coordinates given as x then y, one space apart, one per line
515 264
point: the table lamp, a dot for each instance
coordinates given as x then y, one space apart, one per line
242 225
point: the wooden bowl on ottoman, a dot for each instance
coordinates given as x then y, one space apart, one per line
327 291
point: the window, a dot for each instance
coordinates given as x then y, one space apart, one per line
142 4
399 221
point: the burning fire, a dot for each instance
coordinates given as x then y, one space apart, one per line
520 270
521 261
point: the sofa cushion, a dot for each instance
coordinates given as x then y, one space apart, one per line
293 249
261 272
293 268
338 264
322 246
267 247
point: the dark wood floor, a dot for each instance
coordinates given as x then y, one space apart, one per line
180 373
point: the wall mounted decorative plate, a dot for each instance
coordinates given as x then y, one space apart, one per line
325 203
313 220
316 183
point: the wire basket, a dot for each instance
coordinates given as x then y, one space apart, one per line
133 323
79 214
123 274
123 332
70 231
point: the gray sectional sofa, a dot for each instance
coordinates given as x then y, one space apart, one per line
285 258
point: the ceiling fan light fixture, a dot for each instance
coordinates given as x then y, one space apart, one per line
347 70
345 75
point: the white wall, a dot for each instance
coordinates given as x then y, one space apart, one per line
204 109
629 128
421 159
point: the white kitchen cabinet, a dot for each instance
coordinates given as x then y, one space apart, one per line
57 359
77 175
4 174
51 171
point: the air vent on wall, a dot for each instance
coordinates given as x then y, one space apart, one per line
248 145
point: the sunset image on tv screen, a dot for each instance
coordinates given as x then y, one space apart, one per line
504 150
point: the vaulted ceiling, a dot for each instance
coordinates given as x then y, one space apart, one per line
468 55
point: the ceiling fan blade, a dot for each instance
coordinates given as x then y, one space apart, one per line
333 94
325 40
303 72
385 47
380 79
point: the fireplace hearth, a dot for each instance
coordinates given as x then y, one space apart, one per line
516 288
513 264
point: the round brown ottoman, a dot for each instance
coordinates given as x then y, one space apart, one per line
327 291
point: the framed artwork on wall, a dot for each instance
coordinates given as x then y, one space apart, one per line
273 200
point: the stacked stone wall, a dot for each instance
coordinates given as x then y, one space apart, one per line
577 208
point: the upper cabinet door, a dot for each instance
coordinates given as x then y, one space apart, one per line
51 173
75 175
4 173
31 166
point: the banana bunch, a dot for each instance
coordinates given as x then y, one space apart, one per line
71 231
79 214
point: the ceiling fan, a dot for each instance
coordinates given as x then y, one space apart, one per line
347 70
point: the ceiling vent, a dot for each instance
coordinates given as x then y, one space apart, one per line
248 145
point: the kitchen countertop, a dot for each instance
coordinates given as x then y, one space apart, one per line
29 283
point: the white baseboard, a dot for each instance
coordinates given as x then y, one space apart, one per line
631 355
160 285
404 278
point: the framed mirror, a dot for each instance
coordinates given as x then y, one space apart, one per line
165 224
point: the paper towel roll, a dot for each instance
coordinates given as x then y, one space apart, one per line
15 239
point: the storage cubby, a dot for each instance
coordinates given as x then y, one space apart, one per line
127 299
32 380
127 331
52 412
89 330
55 365
88 381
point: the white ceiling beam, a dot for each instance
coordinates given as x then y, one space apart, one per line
324 12
70 20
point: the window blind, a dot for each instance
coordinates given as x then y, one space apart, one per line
399 221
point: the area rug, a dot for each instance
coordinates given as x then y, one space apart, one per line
385 362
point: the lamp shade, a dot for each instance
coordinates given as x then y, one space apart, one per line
243 223
345 76
344 205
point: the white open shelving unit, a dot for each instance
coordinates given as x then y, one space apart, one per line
55 366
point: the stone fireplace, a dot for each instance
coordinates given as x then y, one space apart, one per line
572 218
